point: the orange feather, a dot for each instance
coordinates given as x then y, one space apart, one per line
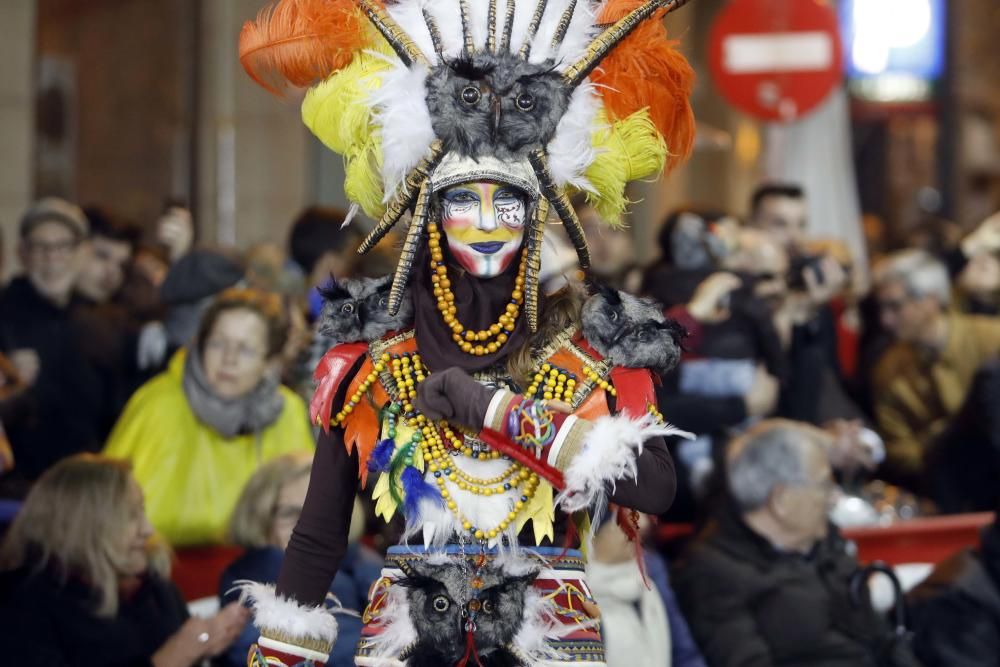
300 42
647 70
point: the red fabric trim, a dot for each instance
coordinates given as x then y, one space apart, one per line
505 445
329 375
635 390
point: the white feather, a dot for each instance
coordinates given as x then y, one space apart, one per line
577 37
281 614
571 150
608 454
401 113
397 628
540 625
409 15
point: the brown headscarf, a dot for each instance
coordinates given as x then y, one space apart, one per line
479 301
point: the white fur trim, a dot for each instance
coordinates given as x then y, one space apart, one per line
286 616
608 454
292 649
572 150
397 628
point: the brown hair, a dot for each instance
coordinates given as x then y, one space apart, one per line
250 524
268 305
69 520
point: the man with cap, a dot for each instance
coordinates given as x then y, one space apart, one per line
37 334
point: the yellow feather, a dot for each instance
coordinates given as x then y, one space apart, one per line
627 150
337 112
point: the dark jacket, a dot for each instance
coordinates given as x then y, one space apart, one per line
64 406
47 622
358 571
750 605
955 612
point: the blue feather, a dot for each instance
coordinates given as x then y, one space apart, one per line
415 490
381 455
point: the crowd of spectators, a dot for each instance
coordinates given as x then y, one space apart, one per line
153 395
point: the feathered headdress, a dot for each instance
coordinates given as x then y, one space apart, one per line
563 95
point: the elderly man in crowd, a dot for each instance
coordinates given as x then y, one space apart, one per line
936 386
768 582
38 336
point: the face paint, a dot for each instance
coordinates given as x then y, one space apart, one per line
484 224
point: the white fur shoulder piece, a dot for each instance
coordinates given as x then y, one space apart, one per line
285 619
608 454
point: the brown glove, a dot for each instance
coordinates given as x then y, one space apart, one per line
454 396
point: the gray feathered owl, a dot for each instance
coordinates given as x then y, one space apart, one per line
355 310
630 331
444 599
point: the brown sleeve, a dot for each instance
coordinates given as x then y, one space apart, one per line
652 491
320 537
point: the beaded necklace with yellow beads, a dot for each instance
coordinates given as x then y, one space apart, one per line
434 445
485 341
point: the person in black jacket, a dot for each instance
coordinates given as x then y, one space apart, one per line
955 612
768 582
82 581
37 334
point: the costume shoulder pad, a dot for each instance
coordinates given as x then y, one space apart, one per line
631 332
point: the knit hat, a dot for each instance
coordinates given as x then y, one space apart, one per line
54 209
200 274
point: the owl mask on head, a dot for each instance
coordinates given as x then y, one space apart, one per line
568 95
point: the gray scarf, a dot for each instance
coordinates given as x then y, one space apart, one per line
231 417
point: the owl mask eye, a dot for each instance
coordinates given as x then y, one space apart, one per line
441 604
470 95
525 102
488 606
347 308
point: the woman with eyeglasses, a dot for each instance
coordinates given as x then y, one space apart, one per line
197 432
262 523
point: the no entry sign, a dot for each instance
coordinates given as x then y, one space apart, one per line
775 59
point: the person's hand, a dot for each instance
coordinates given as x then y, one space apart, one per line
455 396
850 449
27 364
710 303
833 283
224 628
762 397
200 638
175 229
984 239
184 647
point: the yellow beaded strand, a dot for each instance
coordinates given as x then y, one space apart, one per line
485 341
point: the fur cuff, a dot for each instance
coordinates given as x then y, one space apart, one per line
608 453
285 621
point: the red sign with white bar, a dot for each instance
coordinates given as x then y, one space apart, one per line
776 60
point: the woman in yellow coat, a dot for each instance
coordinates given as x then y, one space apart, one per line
198 431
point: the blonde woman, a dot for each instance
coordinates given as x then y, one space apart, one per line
198 431
262 523
83 581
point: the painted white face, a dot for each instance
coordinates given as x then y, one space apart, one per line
484 225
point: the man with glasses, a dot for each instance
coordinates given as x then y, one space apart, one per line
37 334
937 387
768 581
